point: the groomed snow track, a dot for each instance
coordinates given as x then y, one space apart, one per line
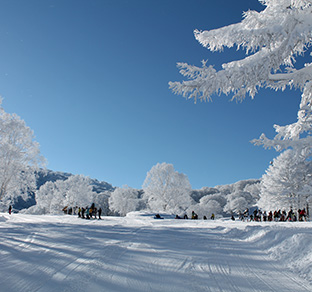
64 253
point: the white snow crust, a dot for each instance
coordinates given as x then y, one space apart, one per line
139 253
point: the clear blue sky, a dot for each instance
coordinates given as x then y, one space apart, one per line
90 77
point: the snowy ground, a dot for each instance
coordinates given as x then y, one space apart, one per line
139 253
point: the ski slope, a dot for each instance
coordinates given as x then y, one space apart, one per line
139 253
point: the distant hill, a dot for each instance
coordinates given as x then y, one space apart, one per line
44 176
50 175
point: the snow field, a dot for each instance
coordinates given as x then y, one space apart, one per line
139 253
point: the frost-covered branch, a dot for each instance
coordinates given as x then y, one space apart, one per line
274 36
296 135
295 77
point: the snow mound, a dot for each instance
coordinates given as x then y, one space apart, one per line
3 219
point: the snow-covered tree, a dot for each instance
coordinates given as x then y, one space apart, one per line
19 157
52 197
287 182
273 39
125 200
101 200
207 206
196 195
238 202
44 196
166 189
241 195
225 198
78 191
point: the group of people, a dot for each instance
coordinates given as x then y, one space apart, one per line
90 212
85 213
277 215
194 216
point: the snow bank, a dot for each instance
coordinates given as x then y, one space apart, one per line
288 243
295 253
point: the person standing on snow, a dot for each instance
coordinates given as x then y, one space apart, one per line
87 213
10 209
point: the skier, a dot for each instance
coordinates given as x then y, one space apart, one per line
100 212
10 209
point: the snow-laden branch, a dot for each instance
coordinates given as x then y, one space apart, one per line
275 36
279 145
304 74
295 135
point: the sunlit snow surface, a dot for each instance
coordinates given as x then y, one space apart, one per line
139 253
